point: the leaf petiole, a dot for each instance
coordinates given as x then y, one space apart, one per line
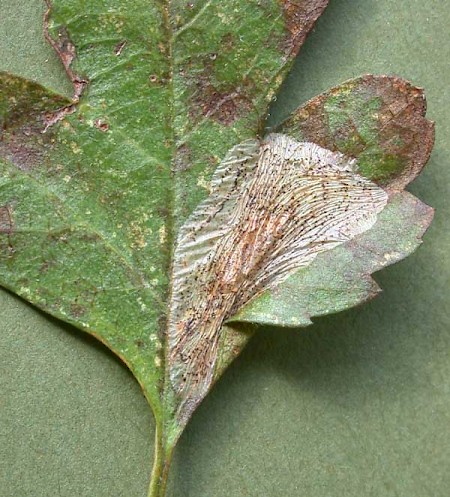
161 465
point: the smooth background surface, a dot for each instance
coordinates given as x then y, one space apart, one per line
356 405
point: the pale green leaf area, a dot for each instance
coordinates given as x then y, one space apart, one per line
357 404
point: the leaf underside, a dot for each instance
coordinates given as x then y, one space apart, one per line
118 216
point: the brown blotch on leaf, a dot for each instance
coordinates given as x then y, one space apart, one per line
22 155
222 106
403 132
300 16
101 125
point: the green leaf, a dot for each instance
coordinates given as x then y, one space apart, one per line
98 193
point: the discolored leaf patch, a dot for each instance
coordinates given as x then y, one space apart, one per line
25 108
225 107
378 119
300 18
25 103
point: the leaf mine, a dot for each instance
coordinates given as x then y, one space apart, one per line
275 205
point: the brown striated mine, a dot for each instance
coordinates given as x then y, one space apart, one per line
274 206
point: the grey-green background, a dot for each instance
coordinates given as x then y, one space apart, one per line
356 405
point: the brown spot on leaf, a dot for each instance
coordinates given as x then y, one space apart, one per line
220 105
300 17
227 42
101 125
221 102
77 310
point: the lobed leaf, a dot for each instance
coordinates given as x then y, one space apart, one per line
105 218
93 191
